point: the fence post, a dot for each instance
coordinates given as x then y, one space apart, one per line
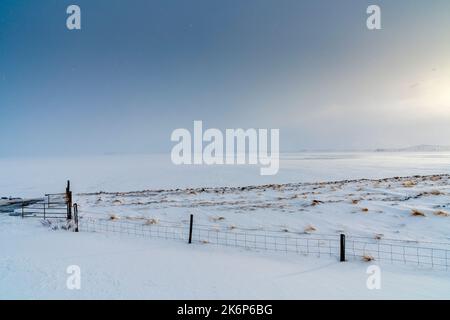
70 206
342 246
190 228
22 209
75 214
69 201
69 211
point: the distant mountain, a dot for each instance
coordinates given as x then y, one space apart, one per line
418 148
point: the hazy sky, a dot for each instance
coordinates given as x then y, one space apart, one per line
139 69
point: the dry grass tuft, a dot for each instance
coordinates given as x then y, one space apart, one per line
316 202
204 241
117 202
310 229
367 258
435 192
441 213
215 219
113 217
355 201
379 236
417 213
409 184
152 221
365 210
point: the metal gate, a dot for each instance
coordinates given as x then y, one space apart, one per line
52 206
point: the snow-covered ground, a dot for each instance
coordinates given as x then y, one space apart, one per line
407 208
34 260
303 198
31 177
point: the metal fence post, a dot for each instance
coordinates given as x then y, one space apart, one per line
190 228
75 214
342 246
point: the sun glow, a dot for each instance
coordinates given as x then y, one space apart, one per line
431 96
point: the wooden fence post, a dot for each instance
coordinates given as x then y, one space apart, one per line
190 228
70 205
69 201
342 246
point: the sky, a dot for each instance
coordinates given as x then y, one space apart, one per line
138 69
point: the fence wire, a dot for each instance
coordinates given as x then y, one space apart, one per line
174 231
306 244
433 255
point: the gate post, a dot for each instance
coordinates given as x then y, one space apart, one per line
69 206
69 201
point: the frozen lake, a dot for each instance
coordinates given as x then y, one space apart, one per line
26 177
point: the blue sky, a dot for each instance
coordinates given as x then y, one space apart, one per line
140 69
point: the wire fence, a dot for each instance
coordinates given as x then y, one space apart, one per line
434 255
149 230
270 241
431 255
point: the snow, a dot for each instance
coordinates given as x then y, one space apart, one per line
366 208
31 177
305 194
34 267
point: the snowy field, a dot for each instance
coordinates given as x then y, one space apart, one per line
26 177
327 193
34 261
